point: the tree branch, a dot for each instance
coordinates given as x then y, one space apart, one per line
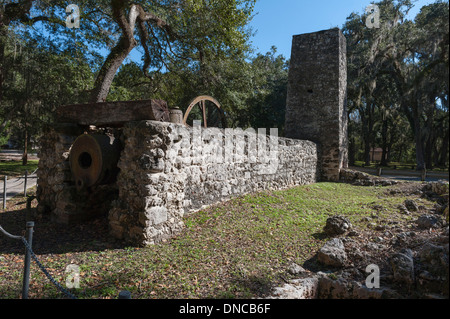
126 43
144 38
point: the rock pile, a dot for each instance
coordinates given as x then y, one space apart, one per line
418 273
337 225
411 205
427 221
364 179
332 253
414 262
402 265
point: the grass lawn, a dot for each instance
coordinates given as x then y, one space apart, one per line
237 249
15 168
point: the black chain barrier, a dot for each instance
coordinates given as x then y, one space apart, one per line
38 263
46 273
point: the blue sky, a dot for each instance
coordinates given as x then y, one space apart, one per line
276 21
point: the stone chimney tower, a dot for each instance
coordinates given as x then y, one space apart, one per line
316 107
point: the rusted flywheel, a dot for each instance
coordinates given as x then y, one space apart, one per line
93 159
201 102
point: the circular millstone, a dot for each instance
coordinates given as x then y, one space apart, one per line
86 159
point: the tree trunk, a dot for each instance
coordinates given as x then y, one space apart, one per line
351 142
444 150
351 151
384 131
420 159
400 154
370 139
435 155
429 146
413 115
108 71
392 138
366 152
126 43
430 138
2 57
366 138
25 148
3 32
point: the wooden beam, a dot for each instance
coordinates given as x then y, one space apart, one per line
113 113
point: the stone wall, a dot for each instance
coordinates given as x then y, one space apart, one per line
54 172
316 101
167 170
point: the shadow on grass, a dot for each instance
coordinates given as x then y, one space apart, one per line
53 238
312 264
320 236
254 285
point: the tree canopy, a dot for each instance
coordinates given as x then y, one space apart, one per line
397 73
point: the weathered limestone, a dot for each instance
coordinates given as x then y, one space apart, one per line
332 253
54 172
337 225
402 264
164 175
316 101
363 179
303 288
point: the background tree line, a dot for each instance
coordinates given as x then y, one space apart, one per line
397 74
398 85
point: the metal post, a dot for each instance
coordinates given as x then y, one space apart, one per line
26 269
25 184
4 192
28 213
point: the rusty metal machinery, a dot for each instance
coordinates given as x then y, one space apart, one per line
93 157
93 160
207 113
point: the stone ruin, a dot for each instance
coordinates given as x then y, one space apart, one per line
137 164
316 107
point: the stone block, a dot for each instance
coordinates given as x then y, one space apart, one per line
156 215
332 253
